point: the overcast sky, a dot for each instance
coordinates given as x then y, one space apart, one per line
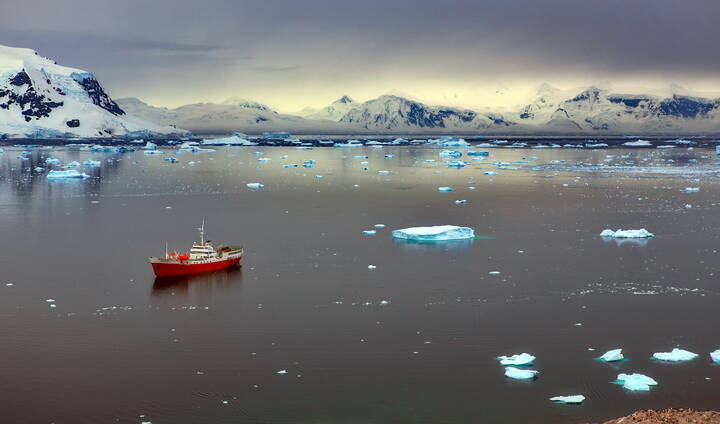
296 53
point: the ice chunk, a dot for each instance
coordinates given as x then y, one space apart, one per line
255 185
456 164
676 355
490 173
460 202
371 267
475 153
445 189
523 359
573 399
451 153
686 189
636 382
154 152
89 163
379 225
70 173
639 143
715 356
519 374
641 233
281 372
369 232
439 233
52 161
73 164
150 146
612 355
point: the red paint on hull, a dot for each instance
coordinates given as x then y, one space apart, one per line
164 269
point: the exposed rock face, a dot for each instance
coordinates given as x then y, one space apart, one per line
669 416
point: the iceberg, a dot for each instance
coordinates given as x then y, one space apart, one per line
255 185
474 153
574 399
456 164
715 356
519 374
676 355
73 164
170 159
70 173
451 153
154 152
369 232
445 189
635 382
641 233
612 356
523 359
639 143
48 161
150 146
436 233
89 163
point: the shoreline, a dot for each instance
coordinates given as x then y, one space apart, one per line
669 416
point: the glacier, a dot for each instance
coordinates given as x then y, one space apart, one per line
41 99
435 233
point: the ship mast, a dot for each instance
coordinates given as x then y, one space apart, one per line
202 233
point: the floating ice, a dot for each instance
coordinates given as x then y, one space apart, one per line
636 382
52 161
290 165
154 152
641 233
255 185
91 163
460 202
451 153
73 164
715 356
639 143
519 374
691 189
456 164
522 359
612 355
281 372
445 189
676 355
384 172
170 159
436 233
474 153
574 399
379 225
371 267
490 173
150 146
70 173
369 232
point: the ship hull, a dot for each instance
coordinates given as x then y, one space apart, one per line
175 269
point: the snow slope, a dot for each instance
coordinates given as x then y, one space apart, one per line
335 111
39 98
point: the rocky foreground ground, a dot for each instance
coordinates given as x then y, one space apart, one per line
669 416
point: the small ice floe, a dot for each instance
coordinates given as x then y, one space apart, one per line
691 189
39 169
281 372
255 186
264 160
154 152
372 267
676 355
641 233
639 143
369 232
519 374
490 173
435 233
89 163
290 165
474 153
635 382
150 146
384 172
73 164
570 400
451 153
445 189
456 164
460 202
379 225
612 356
494 272
715 356
69 173
170 159
521 360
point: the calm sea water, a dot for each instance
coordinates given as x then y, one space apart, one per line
412 341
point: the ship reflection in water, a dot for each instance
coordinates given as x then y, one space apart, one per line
202 284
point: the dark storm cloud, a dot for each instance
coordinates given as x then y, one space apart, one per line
405 39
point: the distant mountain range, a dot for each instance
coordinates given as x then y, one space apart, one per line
39 98
588 111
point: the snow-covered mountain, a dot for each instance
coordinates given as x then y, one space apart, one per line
231 115
39 98
396 113
603 110
335 110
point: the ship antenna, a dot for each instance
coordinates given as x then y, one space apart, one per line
202 233
166 250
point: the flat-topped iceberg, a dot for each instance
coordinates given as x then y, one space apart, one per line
572 400
676 355
639 143
612 355
522 359
641 233
69 173
519 374
436 233
715 356
635 382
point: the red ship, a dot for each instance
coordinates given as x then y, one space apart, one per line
203 257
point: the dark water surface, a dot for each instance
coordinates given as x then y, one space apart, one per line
120 347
